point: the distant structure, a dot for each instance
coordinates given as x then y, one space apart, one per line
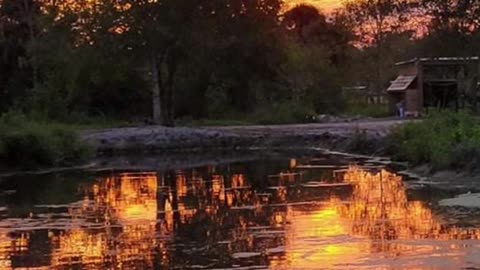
443 82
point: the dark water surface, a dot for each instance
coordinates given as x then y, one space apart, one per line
315 212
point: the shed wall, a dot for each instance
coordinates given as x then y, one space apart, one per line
408 70
412 101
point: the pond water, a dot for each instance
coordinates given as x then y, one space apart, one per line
282 212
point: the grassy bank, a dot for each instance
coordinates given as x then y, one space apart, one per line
286 113
25 143
446 140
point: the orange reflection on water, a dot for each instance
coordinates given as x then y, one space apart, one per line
5 246
78 247
317 239
138 220
10 245
376 222
238 181
128 205
380 209
181 185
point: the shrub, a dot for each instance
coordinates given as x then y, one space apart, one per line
285 113
361 143
368 110
444 140
26 143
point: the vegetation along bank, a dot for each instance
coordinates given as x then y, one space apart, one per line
443 141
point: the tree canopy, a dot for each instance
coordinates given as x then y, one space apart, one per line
169 59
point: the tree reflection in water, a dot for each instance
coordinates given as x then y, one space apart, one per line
283 218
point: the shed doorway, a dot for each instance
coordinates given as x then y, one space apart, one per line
441 95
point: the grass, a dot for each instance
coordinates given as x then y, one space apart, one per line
368 110
31 144
446 140
188 122
284 113
273 114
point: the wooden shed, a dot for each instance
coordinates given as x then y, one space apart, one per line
444 82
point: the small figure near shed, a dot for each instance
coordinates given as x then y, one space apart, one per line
401 108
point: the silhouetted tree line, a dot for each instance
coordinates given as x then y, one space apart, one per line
166 59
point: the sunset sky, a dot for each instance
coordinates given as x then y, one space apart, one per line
325 5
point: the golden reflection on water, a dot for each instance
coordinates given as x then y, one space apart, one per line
130 221
125 207
380 210
314 240
374 220
5 245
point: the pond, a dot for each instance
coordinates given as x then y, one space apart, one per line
310 211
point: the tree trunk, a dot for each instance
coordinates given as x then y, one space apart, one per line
29 20
171 109
241 97
200 107
156 96
168 105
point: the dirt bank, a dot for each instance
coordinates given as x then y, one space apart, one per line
163 139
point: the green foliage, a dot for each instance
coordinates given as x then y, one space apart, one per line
26 144
443 140
368 110
207 67
70 63
312 81
285 113
360 143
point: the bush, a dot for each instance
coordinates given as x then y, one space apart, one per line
361 143
368 110
285 113
443 140
25 143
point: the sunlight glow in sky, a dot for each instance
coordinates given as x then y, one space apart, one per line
324 5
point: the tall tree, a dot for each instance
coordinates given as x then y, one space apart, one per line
460 16
301 16
453 28
19 30
375 21
172 34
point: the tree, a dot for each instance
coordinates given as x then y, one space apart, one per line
376 20
174 35
453 28
301 16
336 35
458 16
19 30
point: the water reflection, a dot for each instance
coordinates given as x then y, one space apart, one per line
291 216
376 228
114 225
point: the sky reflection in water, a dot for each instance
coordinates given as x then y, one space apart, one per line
288 214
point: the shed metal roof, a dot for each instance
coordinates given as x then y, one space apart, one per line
401 83
439 59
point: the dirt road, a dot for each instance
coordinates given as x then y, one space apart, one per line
375 127
157 138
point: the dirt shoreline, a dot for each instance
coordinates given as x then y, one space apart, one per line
121 142
131 147
164 139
